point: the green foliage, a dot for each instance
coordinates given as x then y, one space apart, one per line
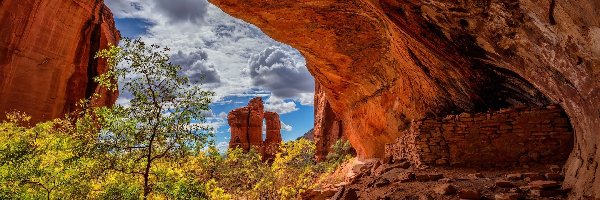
153 148
292 172
157 125
340 154
53 161
43 162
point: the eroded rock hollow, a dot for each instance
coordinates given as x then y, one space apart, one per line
47 53
384 63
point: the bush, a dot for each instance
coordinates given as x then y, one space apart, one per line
140 152
46 161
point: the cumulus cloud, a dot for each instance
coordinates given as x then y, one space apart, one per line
171 11
207 113
277 71
196 67
286 127
214 123
183 10
222 146
121 8
223 115
280 106
227 43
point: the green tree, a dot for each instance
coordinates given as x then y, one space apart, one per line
163 121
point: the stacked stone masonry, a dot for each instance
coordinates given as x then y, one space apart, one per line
508 137
247 129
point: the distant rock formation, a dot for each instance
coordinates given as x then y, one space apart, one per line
271 144
47 53
309 135
247 129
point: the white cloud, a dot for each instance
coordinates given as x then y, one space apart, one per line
222 146
207 113
214 124
196 67
280 106
276 70
223 49
286 127
223 115
182 10
171 11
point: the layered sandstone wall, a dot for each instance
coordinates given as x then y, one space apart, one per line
46 55
384 63
328 126
517 136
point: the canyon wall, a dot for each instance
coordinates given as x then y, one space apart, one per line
46 55
385 63
328 126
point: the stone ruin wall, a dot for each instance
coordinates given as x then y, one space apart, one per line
515 136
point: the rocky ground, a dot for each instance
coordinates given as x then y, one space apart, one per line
375 180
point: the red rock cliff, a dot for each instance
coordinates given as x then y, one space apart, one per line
328 126
46 54
384 63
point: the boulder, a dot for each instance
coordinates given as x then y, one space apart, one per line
544 185
507 196
445 189
514 177
469 194
504 184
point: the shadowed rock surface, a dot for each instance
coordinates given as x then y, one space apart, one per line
328 126
385 63
46 55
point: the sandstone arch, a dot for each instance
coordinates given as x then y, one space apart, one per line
383 63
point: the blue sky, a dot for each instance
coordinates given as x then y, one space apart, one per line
235 59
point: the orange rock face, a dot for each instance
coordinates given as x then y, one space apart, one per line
46 55
385 63
273 140
246 125
328 126
273 128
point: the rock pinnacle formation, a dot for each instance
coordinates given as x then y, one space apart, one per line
384 63
47 53
247 128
